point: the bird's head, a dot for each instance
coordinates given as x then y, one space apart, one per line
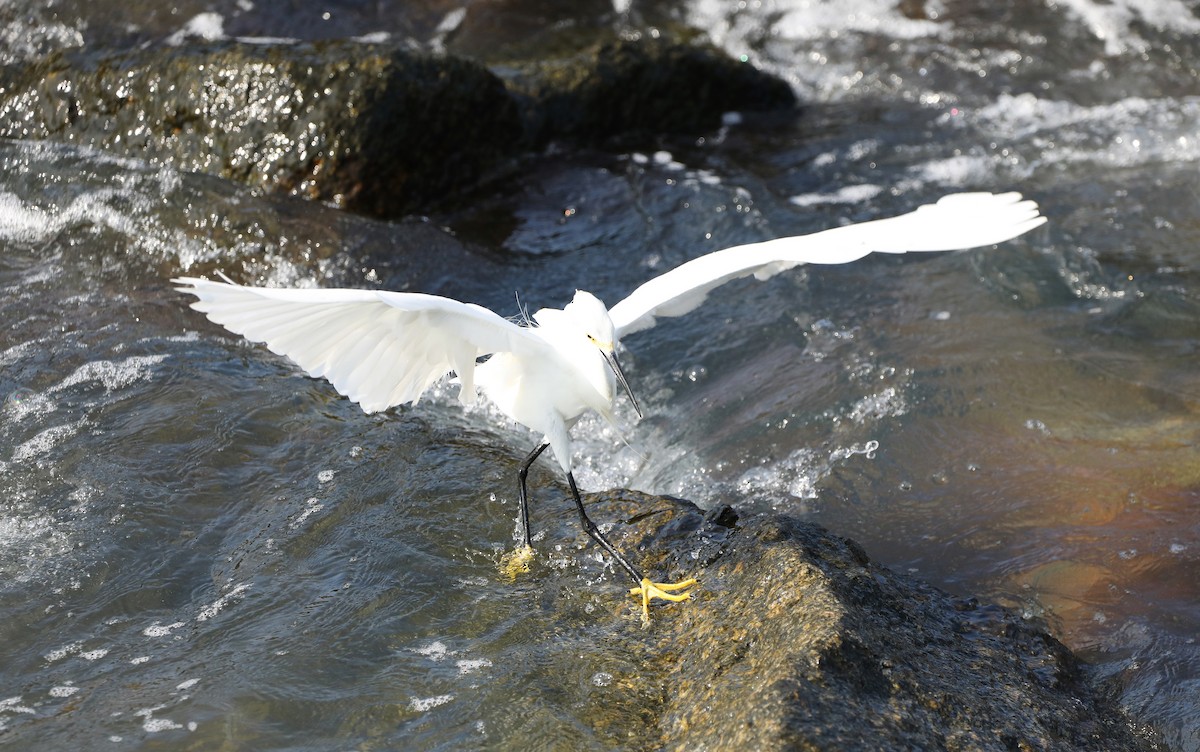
588 313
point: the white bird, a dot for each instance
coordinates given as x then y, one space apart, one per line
382 348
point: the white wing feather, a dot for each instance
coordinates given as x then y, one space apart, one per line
378 348
963 220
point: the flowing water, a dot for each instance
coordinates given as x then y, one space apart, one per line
200 548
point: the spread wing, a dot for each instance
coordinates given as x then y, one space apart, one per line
378 348
963 220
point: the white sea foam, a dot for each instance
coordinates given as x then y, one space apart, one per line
59 653
161 630
1114 21
22 404
889 403
957 171
434 651
471 665
154 725
422 704
44 441
796 475
805 20
1117 23
129 204
219 604
14 705
208 27
21 222
850 194
27 222
311 506
1128 132
112 374
31 540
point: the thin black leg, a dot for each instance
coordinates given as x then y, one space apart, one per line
523 495
590 528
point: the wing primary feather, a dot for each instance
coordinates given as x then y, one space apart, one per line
958 221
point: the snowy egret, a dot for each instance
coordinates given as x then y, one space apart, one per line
382 349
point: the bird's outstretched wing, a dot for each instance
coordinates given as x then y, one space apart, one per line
962 220
378 348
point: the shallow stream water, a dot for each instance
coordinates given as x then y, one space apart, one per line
200 548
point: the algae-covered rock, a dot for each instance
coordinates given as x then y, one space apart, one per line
375 129
795 640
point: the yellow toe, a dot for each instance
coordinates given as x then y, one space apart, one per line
516 562
664 590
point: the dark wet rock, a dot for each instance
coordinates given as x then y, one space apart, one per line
375 129
796 640
639 86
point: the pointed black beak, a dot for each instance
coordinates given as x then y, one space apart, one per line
615 365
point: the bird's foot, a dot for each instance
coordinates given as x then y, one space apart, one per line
663 590
516 562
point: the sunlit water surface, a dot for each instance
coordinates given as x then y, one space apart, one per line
201 547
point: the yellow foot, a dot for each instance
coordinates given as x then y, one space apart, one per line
516 562
664 590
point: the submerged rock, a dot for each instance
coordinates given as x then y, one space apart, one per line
796 640
376 129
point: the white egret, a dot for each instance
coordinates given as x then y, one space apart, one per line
382 349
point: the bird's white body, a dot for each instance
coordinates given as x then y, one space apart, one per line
386 348
536 397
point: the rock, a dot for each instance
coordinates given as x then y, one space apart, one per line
375 129
639 87
796 640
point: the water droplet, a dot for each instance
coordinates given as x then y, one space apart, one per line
602 679
1036 425
20 396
